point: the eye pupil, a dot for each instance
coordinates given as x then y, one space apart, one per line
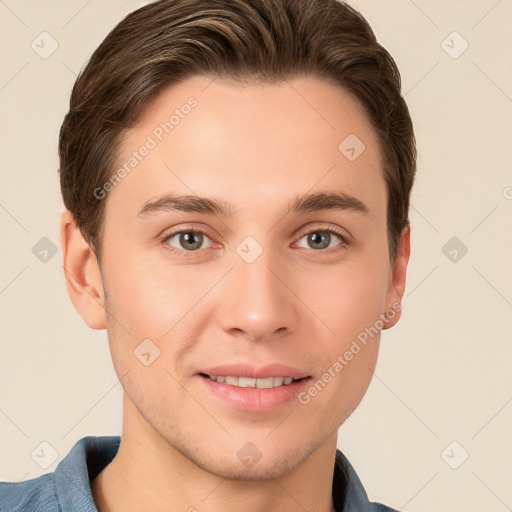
318 238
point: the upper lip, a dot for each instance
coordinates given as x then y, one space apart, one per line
246 370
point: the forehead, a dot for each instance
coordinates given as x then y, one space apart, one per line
250 143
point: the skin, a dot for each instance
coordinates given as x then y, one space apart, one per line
256 147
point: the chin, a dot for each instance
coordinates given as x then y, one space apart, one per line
234 469
258 461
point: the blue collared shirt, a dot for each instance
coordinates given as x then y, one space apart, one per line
68 489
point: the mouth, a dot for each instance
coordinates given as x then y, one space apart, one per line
248 382
245 388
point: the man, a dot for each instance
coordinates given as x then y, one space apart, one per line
237 177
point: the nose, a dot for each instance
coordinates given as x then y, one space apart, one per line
258 301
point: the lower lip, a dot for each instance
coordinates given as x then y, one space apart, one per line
254 399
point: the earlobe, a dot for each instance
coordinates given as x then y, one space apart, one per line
396 286
82 274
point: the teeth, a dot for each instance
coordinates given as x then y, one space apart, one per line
230 380
265 383
247 382
278 381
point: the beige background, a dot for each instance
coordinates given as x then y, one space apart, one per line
444 371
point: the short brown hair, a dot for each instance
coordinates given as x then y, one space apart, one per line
242 40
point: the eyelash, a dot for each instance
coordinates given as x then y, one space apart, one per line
344 242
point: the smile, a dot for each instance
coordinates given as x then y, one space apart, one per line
247 382
260 394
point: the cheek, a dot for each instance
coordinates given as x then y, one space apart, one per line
347 299
149 299
154 311
349 303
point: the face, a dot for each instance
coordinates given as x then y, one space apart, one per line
258 281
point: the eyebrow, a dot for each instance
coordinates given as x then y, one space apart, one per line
319 201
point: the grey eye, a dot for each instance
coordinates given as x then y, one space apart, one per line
320 239
187 240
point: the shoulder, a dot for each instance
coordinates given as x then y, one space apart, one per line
37 494
378 507
68 487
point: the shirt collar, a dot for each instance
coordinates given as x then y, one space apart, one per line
81 465
348 492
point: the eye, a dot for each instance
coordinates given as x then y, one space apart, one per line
320 239
189 240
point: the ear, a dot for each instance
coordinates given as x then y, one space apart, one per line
396 285
82 274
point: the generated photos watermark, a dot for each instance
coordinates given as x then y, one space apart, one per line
152 140
357 345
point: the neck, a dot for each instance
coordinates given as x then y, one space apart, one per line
149 473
